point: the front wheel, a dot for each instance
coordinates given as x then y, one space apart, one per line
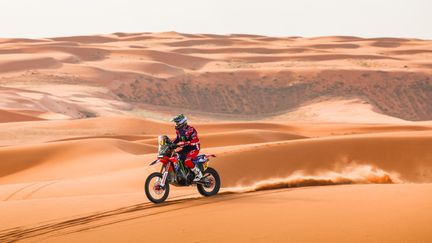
153 190
210 183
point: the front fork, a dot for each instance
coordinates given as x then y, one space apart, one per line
164 171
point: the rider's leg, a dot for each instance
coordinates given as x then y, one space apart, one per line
189 163
200 166
181 158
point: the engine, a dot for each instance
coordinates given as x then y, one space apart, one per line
185 180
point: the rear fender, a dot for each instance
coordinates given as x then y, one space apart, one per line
204 160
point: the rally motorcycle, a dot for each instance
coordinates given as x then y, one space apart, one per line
157 184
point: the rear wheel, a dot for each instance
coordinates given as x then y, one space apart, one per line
153 189
210 183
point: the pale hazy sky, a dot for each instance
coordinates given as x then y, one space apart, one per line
366 18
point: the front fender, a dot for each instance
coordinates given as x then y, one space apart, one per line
154 162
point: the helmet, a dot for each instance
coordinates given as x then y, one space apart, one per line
180 121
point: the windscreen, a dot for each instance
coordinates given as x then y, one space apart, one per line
163 142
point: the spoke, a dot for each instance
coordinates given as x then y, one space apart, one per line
157 189
210 183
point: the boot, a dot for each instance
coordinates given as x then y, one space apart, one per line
198 173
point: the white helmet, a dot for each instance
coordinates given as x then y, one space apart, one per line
180 121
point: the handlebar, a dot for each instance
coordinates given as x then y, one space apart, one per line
174 146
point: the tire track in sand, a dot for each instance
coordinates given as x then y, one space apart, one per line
19 190
38 189
32 192
114 216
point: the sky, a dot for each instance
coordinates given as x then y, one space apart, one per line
364 18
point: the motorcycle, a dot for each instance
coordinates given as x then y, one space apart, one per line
173 172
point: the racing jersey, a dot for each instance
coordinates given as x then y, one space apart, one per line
187 135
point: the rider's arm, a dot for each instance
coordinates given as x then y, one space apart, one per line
177 139
193 137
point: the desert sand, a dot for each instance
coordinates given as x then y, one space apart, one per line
323 139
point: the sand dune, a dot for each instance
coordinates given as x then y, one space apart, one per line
241 147
332 46
324 139
239 50
353 141
21 63
158 69
173 59
296 224
13 116
252 157
133 129
406 156
86 39
288 72
78 154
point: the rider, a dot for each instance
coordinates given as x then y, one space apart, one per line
188 136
